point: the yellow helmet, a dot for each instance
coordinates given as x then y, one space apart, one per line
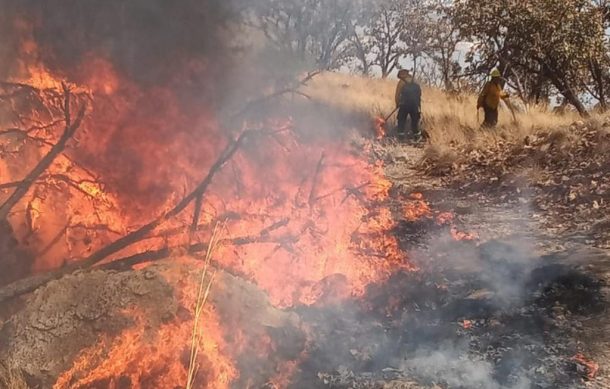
495 73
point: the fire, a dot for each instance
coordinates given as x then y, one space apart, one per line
304 220
460 235
144 358
590 367
416 208
379 125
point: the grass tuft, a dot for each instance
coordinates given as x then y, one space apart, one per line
205 286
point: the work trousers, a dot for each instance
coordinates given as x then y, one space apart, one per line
491 117
405 112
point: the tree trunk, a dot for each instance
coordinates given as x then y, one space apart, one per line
564 87
597 73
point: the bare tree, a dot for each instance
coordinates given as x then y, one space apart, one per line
310 30
442 44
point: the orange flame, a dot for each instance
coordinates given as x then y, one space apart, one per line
143 356
132 161
380 131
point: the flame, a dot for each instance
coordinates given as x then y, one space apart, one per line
379 125
416 208
305 221
591 367
463 236
144 356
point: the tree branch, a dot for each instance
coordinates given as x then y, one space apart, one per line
48 159
199 191
30 284
291 89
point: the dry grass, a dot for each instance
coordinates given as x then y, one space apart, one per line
205 285
11 379
353 94
449 120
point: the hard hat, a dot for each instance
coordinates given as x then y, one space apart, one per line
403 73
495 73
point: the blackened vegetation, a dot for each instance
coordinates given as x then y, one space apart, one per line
453 329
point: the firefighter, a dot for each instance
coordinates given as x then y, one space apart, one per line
490 97
408 101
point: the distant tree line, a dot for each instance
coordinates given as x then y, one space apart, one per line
545 48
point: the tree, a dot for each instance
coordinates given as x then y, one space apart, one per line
384 32
310 30
554 41
416 28
443 40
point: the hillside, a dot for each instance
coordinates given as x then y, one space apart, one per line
560 160
449 119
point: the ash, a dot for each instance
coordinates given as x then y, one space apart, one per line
503 320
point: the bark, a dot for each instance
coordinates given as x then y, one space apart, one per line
564 87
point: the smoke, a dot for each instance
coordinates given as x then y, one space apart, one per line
453 366
491 280
148 41
502 265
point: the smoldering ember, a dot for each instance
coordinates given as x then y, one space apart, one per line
304 194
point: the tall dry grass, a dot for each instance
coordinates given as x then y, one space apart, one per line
11 379
205 286
449 119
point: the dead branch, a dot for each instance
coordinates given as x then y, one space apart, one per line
314 184
226 217
40 127
349 191
127 263
10 185
16 89
196 215
199 191
30 284
47 160
290 89
54 241
356 193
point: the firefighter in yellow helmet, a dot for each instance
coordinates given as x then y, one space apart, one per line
490 97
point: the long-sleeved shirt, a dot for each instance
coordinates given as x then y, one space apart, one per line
491 95
399 88
401 84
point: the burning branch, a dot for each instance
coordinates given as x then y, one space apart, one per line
32 283
199 191
70 128
314 185
196 214
127 263
10 185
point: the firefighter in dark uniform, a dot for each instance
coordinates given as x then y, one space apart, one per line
408 101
